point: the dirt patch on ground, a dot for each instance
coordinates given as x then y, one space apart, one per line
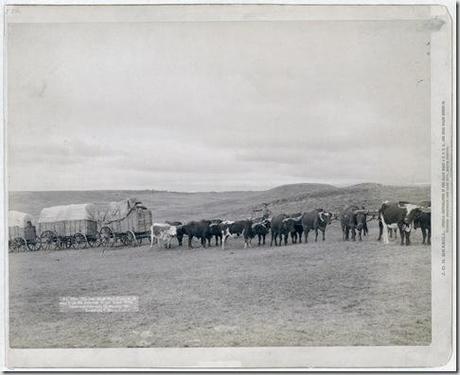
324 293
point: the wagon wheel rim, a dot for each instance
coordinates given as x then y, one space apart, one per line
35 244
11 246
94 241
16 244
105 236
48 240
79 241
22 244
126 239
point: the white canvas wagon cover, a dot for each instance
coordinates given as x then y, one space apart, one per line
115 211
123 216
18 219
67 213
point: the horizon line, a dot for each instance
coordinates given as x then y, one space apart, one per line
339 186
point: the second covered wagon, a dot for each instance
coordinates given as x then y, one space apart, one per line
68 226
128 221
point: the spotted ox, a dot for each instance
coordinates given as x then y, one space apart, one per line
162 233
316 220
179 230
236 229
402 214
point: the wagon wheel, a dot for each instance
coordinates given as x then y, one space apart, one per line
94 241
79 241
48 240
105 236
128 238
62 242
16 244
21 243
11 246
35 244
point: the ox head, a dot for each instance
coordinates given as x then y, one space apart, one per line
419 216
267 223
172 231
325 216
413 211
361 218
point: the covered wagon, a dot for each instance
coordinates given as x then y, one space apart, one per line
68 226
127 221
22 234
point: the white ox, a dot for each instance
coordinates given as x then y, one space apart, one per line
162 233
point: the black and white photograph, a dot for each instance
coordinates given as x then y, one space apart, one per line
239 177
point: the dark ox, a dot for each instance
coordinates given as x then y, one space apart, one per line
402 214
316 220
260 230
236 229
296 234
215 231
422 220
198 229
278 229
353 219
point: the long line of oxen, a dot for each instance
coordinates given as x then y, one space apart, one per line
391 216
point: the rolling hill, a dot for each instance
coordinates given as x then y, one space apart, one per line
167 205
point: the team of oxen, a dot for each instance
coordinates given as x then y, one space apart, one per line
392 216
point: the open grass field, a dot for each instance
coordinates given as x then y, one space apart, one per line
324 293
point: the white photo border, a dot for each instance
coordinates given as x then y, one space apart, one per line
393 358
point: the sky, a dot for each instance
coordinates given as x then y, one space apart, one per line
199 106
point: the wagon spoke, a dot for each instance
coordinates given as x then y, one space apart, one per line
79 241
35 244
48 240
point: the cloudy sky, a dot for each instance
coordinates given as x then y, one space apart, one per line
217 106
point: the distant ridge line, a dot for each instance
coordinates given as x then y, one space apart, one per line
279 187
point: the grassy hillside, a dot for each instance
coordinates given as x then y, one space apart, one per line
231 205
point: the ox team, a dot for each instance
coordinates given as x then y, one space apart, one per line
392 216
